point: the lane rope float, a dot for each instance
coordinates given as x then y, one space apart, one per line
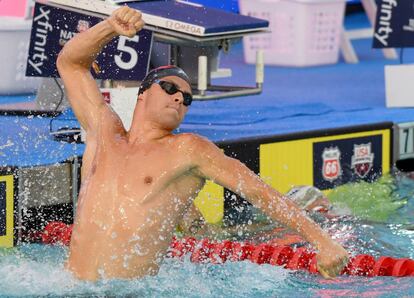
219 252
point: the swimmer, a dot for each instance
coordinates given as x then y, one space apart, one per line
137 184
308 198
318 207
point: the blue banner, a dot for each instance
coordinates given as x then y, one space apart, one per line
228 5
122 59
394 27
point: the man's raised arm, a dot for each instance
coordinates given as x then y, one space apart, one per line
75 60
211 163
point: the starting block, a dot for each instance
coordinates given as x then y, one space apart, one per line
176 32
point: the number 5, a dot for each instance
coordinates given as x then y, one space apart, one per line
130 64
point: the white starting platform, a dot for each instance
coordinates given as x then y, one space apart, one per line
180 33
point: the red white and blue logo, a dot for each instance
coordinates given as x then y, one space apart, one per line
331 164
362 160
83 25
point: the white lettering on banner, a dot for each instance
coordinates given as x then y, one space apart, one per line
183 27
42 26
384 28
65 36
410 26
133 55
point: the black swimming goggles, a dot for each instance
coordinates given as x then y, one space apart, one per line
171 88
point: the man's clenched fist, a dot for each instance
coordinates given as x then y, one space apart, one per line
126 21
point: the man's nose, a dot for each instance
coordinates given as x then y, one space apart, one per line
178 97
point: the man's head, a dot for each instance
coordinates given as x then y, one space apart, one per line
309 198
166 93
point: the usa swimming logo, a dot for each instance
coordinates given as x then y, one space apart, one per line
83 25
331 167
362 160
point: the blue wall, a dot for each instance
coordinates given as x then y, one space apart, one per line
229 5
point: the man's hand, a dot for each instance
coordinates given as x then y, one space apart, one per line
331 260
126 21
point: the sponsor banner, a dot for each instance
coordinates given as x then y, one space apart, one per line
336 162
122 59
326 161
6 210
394 25
2 208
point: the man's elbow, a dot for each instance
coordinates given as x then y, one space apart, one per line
66 65
62 61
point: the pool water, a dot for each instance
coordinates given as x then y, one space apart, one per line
37 270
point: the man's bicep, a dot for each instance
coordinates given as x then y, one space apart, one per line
237 177
84 95
229 172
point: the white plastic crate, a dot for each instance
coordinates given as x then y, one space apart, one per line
303 32
15 38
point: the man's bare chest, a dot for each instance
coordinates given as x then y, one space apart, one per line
135 173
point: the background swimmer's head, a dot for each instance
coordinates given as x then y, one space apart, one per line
309 198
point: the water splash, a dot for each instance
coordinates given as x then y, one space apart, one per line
37 270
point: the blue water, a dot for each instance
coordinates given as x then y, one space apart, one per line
38 270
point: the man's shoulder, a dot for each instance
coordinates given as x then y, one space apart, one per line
192 139
194 145
197 149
